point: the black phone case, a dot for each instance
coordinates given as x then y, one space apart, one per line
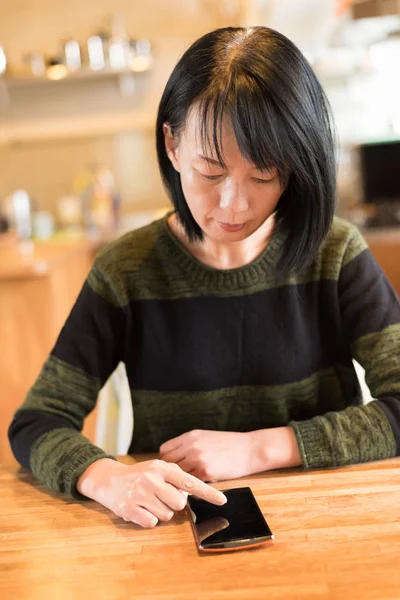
236 525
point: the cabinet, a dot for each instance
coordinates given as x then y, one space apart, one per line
362 9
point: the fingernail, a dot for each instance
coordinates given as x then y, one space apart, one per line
222 499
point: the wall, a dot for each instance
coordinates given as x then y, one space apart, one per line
47 168
49 134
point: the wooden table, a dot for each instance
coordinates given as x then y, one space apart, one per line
337 535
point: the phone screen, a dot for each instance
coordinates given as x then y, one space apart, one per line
238 523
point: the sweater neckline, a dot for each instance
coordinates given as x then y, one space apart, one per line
241 277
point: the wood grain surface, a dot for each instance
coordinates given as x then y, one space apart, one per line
337 535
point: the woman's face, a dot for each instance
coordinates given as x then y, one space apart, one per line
228 205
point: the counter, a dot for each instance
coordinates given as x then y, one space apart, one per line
384 244
38 287
27 260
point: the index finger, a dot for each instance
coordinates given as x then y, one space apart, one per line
189 483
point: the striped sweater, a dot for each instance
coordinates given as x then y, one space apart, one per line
229 350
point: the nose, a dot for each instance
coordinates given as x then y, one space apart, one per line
233 198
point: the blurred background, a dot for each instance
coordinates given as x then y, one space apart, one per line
80 83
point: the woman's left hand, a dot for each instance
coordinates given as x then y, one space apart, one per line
212 455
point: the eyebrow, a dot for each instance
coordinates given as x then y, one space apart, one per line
212 161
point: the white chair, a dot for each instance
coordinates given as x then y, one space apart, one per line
366 394
114 426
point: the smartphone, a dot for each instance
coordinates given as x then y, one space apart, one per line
237 524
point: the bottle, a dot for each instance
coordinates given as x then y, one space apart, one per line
72 55
100 199
119 47
36 63
105 200
4 225
3 61
142 56
56 69
19 212
96 52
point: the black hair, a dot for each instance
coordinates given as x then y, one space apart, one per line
280 116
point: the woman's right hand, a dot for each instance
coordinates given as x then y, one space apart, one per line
143 493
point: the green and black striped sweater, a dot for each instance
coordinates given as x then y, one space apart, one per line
227 350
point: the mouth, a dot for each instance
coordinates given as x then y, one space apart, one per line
229 227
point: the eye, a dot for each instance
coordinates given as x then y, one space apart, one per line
211 177
262 180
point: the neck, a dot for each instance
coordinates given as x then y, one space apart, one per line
222 255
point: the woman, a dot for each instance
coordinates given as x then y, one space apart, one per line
238 314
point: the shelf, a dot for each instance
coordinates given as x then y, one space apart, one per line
84 74
84 103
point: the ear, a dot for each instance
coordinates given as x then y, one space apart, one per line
171 146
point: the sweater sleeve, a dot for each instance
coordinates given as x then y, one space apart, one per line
45 433
370 312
